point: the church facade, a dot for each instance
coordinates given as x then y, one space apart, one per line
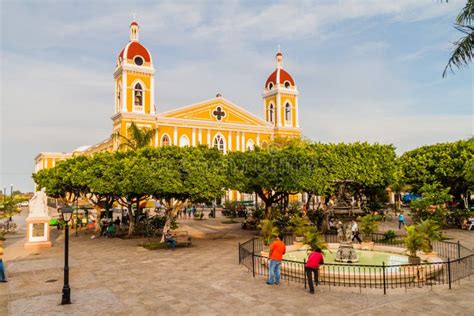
217 122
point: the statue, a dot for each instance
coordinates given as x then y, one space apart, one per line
346 251
38 230
38 206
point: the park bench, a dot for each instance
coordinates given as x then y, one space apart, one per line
182 237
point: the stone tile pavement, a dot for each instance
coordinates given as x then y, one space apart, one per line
117 277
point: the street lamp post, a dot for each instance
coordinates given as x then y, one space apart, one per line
66 213
77 214
11 202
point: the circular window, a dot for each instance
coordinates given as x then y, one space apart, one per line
287 84
138 61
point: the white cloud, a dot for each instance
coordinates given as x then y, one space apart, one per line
58 58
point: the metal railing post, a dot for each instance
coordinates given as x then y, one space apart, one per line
449 273
304 271
459 250
253 257
384 281
240 255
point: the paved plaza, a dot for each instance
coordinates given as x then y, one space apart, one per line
117 277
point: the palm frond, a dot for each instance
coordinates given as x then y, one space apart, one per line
463 52
466 16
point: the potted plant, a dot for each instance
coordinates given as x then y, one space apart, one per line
299 228
414 241
268 231
314 239
431 231
368 226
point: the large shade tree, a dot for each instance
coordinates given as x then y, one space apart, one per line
189 174
444 163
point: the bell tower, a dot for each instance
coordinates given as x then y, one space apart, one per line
134 77
280 98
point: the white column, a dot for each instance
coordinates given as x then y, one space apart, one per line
238 196
209 138
54 162
175 136
200 136
243 141
193 142
124 91
296 112
258 139
156 136
237 142
152 94
278 115
229 141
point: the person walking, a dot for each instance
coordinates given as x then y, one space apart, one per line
314 261
355 231
275 256
401 220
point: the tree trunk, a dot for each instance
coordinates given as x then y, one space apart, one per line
171 213
131 224
308 201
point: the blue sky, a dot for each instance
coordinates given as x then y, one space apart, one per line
366 70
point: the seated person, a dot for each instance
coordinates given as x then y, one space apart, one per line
465 224
169 239
111 230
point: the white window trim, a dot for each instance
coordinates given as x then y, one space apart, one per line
144 89
169 139
250 145
187 139
271 114
223 140
290 121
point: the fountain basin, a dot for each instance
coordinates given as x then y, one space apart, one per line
368 271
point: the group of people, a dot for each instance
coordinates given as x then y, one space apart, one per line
187 212
109 228
278 248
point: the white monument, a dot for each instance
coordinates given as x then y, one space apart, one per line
37 222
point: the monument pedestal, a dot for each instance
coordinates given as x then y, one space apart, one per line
37 233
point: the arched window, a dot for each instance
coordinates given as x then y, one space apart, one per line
219 143
270 113
288 112
138 96
287 84
119 91
264 144
250 145
184 141
165 141
270 86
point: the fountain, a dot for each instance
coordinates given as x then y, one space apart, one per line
346 251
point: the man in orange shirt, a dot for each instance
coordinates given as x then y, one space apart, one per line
277 250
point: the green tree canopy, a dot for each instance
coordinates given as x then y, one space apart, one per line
444 163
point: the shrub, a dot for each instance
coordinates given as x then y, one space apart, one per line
368 224
389 236
314 239
430 231
414 240
269 231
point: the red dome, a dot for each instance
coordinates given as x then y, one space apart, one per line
133 49
134 23
284 76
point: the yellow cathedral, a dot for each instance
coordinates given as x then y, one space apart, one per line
217 122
